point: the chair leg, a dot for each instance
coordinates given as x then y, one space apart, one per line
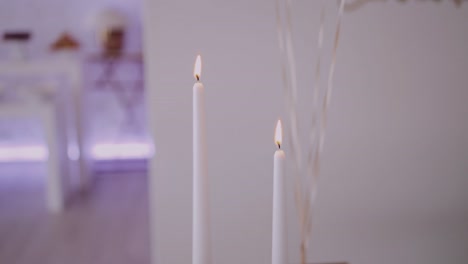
54 185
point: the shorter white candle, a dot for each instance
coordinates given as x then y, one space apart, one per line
279 235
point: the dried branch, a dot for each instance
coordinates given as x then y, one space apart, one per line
356 4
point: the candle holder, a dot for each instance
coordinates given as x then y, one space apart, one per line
328 263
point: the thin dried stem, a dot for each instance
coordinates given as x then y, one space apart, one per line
305 187
357 4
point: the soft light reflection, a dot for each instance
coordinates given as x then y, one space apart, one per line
100 151
23 153
121 151
73 152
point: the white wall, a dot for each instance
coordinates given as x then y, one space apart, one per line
395 168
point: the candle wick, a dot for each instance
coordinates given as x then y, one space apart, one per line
198 78
279 145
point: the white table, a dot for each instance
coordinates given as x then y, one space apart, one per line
76 146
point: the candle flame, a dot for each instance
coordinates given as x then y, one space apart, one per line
197 68
278 134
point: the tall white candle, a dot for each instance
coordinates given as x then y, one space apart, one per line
201 243
279 235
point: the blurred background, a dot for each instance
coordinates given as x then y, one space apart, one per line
96 130
74 33
73 133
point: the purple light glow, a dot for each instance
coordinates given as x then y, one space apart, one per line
23 153
100 151
132 150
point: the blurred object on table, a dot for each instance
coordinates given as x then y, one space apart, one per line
16 41
65 42
111 28
114 42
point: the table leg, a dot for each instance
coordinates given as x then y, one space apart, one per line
84 157
54 186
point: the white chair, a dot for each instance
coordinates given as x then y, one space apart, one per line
42 101
69 70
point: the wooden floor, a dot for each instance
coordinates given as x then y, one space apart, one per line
107 226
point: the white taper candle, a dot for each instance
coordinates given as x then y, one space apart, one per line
279 235
201 247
